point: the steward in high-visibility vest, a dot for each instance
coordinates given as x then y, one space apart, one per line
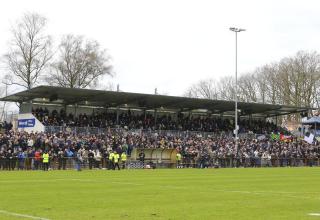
116 158
123 159
45 161
178 158
111 161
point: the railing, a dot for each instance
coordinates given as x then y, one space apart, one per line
68 163
175 133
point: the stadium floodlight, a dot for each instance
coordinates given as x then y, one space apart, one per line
236 127
236 29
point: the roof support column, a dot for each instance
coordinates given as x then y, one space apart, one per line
65 108
117 122
117 116
155 118
75 110
20 106
29 106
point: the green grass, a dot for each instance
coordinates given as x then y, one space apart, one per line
275 193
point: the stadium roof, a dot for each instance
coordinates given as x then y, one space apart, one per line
100 98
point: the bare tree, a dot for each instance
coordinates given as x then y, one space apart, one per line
207 89
3 104
268 83
30 51
247 88
307 66
227 88
293 80
80 63
297 79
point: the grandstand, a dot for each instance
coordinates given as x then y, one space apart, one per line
162 112
168 125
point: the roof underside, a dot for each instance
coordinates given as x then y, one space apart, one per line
99 98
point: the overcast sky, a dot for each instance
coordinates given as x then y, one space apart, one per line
170 44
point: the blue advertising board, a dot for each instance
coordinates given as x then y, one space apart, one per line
26 123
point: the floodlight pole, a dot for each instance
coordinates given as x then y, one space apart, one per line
236 30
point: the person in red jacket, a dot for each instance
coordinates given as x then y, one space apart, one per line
37 159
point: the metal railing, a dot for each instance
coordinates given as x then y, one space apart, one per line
67 163
175 133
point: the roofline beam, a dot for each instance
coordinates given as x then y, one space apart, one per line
262 111
287 113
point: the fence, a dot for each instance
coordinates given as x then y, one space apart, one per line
175 133
71 163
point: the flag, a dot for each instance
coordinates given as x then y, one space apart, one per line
309 139
285 137
275 136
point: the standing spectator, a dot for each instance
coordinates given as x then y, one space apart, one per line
141 157
29 159
268 159
79 159
264 158
91 159
37 159
97 158
178 159
111 160
60 158
21 160
10 161
104 162
14 160
45 160
64 159
2 160
70 157
123 159
116 160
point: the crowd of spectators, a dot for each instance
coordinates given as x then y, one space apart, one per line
20 150
130 120
6 125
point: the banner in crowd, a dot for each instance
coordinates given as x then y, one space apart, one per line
26 123
275 136
285 138
309 138
281 137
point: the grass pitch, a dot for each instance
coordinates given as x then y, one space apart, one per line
261 193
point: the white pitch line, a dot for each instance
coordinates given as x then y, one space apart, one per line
22 215
314 214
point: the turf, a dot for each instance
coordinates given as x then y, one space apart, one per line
260 193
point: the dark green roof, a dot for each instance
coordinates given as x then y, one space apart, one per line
100 98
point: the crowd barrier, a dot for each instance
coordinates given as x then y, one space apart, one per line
71 163
174 133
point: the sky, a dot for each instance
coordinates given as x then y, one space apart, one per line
171 44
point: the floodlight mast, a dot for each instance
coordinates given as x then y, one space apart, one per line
236 31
